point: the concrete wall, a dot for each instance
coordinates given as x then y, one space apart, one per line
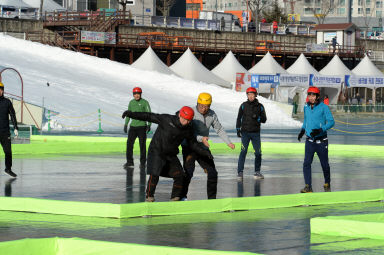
19 25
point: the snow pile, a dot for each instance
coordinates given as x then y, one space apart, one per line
79 85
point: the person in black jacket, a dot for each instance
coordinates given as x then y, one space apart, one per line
6 110
251 115
162 152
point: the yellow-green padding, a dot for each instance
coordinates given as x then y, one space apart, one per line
41 145
78 246
359 226
186 207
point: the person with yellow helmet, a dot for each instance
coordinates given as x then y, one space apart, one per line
204 119
6 111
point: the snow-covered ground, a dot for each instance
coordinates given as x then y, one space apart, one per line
80 84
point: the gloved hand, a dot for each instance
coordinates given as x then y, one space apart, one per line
125 114
302 132
316 132
125 128
16 132
210 156
238 133
148 129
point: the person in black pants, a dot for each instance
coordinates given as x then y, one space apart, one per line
6 110
137 128
164 147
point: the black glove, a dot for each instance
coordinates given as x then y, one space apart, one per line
316 132
238 133
210 156
125 114
148 129
125 128
302 132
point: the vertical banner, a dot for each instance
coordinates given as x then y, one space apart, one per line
243 81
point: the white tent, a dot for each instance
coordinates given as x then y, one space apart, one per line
286 94
267 65
188 67
367 68
228 68
335 67
48 5
302 66
151 62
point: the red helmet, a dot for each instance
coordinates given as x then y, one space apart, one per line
315 90
251 90
187 113
137 90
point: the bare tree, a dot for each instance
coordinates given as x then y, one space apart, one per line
322 8
367 15
164 6
257 7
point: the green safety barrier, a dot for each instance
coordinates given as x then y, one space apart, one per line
187 207
322 244
79 246
360 226
41 145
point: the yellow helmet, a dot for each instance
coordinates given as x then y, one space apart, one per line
1 85
204 98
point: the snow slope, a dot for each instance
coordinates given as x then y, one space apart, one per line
81 84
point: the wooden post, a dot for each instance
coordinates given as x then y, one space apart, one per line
169 58
112 54
131 57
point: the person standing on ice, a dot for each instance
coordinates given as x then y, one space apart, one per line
251 115
317 120
137 128
202 121
6 111
164 147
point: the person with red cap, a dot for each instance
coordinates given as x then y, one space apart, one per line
317 120
251 115
137 128
164 147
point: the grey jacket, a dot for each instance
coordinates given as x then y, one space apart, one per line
202 123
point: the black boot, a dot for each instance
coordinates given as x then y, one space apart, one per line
307 189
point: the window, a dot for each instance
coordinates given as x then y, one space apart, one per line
341 11
379 4
308 1
318 2
367 10
360 11
308 11
367 2
379 13
193 6
230 5
360 2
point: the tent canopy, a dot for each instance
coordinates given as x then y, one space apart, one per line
151 62
367 68
267 65
302 66
228 68
335 67
188 67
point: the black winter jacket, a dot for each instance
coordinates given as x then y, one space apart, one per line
167 139
6 110
250 116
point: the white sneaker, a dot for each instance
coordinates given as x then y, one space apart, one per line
258 176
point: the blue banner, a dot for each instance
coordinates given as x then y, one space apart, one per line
363 81
265 79
324 80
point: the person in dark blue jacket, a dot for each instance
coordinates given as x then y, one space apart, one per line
317 120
